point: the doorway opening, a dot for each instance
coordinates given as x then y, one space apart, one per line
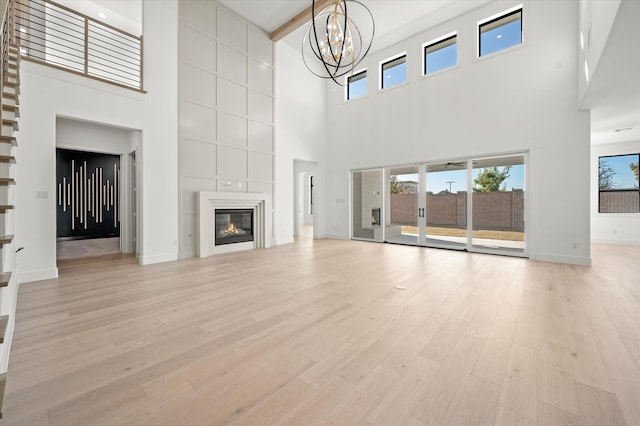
95 189
305 202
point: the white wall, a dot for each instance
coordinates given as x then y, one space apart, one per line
69 96
300 136
595 23
524 99
49 93
612 228
158 163
226 109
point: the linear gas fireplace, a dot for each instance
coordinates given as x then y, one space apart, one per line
233 226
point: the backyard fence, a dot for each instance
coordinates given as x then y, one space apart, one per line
501 210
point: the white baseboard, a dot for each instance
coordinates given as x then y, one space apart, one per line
334 236
160 258
282 241
42 274
574 260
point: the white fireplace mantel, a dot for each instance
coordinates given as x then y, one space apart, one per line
208 202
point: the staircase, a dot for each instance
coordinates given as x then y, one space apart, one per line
9 113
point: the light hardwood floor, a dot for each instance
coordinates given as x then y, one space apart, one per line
317 333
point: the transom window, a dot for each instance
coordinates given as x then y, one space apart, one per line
500 33
618 184
357 85
440 54
393 71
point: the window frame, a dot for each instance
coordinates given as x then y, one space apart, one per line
348 81
382 69
519 9
619 190
435 42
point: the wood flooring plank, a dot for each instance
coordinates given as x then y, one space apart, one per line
443 342
507 417
435 406
554 416
478 403
357 404
494 357
402 397
598 407
556 385
586 362
520 388
315 332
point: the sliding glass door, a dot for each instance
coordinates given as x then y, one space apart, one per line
402 207
446 204
499 204
366 207
474 204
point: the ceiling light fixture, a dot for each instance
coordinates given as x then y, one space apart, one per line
335 40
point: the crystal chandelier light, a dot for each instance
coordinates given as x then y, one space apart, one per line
334 44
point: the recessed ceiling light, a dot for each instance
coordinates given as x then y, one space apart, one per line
102 15
623 129
499 36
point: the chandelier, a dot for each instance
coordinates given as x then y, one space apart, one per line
333 44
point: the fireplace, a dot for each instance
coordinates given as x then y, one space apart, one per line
375 216
250 214
233 226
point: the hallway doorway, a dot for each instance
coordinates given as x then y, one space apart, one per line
305 201
96 189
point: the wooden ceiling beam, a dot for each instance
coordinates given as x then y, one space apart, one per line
297 21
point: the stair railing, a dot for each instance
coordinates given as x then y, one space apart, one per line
57 36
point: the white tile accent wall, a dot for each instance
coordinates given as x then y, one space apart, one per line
232 97
232 65
232 163
232 130
197 158
260 167
197 122
260 107
198 86
260 137
199 15
232 30
202 52
226 98
260 77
